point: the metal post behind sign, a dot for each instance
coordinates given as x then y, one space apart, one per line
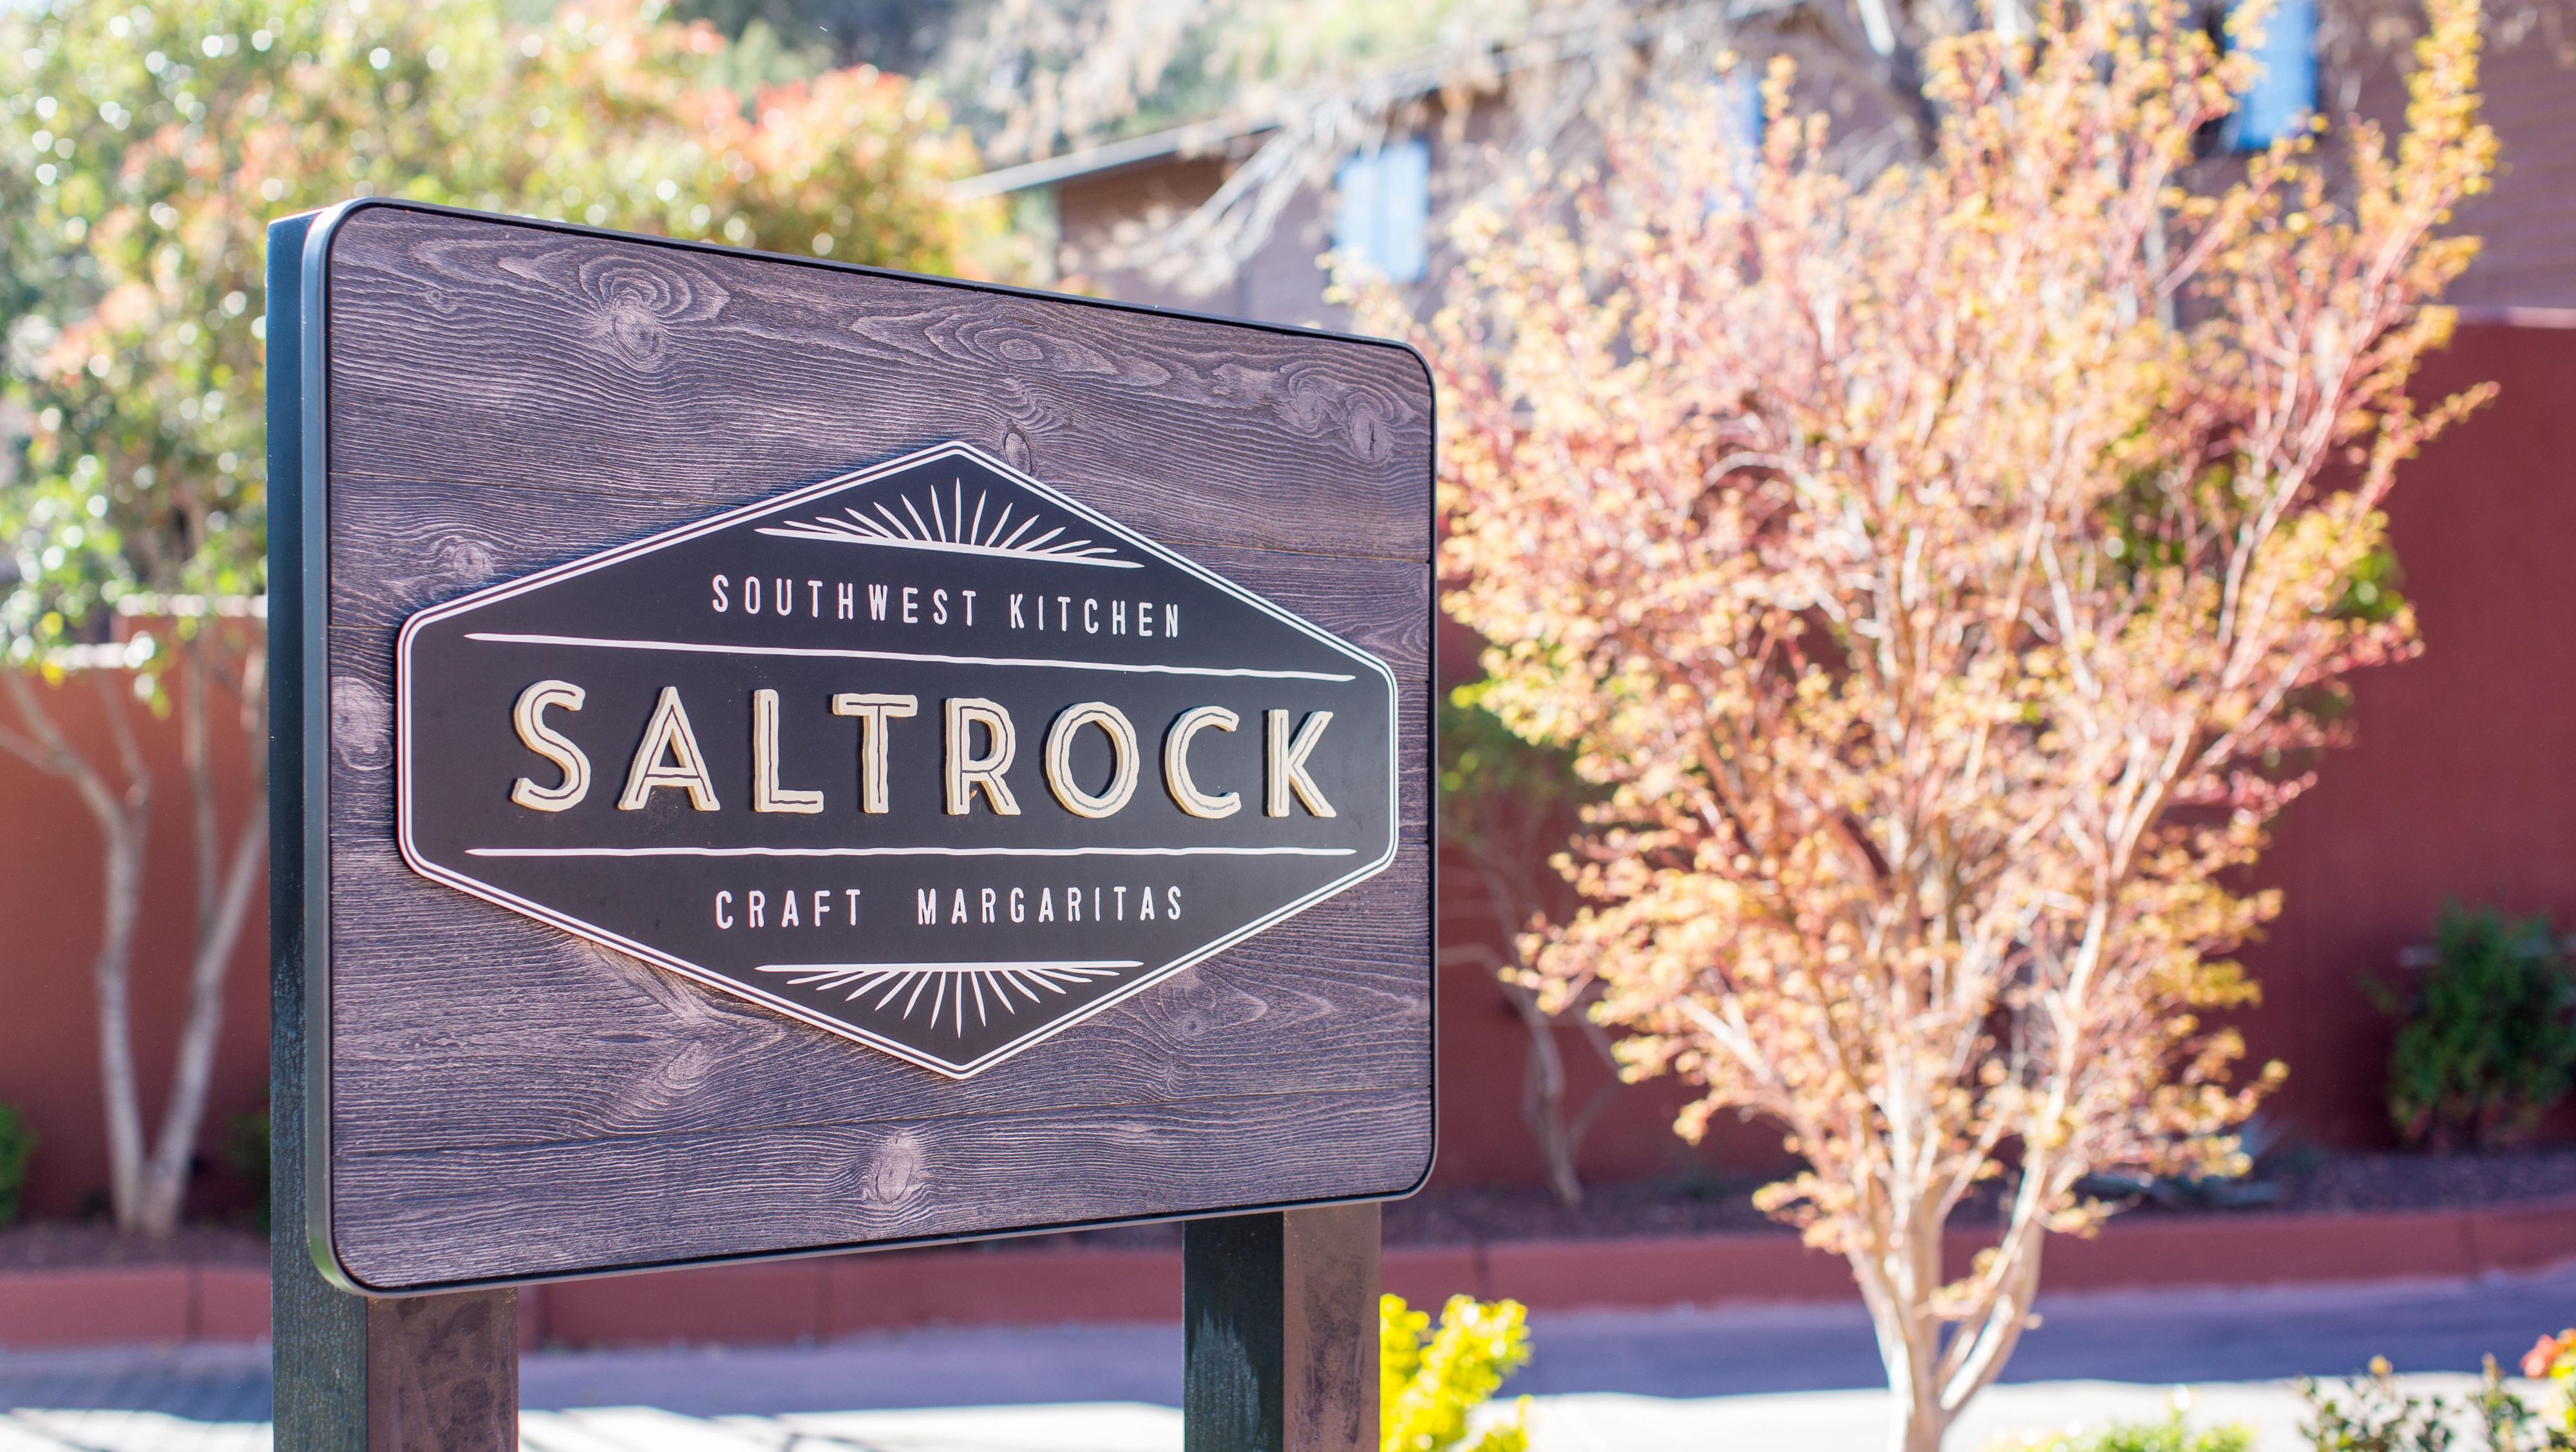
1279 1315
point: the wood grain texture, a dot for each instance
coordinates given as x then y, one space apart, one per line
575 1206
431 1372
443 1373
1329 1001
570 362
510 1101
1329 1383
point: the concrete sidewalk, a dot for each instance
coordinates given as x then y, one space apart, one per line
1754 1378
1836 1421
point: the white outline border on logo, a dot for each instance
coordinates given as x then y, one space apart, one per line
452 878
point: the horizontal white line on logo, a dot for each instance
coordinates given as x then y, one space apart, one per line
1030 966
910 851
696 648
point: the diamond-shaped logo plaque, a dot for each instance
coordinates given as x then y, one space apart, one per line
927 755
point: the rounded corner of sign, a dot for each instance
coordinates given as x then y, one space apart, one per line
412 625
1430 1162
323 1248
1394 688
1385 859
326 229
1421 360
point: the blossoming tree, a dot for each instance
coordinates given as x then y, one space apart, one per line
1948 574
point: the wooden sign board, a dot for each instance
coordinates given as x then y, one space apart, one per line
794 758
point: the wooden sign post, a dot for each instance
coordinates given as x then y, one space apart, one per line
775 758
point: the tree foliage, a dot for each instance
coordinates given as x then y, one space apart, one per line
2486 1038
143 150
150 146
1947 573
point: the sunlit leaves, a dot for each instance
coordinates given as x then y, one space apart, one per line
144 149
1946 574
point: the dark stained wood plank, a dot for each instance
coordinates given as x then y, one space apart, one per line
512 1101
349 1374
584 363
1330 1000
399 547
443 1373
563 1208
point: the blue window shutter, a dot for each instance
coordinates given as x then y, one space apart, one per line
1355 210
1382 209
2284 96
1744 117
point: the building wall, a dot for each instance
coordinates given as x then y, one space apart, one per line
50 871
2529 220
2462 780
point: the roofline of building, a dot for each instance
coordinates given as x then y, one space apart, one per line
1199 138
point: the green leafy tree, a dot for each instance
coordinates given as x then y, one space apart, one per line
142 152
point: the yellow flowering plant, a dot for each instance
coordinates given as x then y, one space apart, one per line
1430 1382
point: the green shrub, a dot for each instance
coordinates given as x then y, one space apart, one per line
17 1143
2486 1041
2169 1435
1431 1382
2371 1413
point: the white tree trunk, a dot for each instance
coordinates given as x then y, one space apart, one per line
165 1186
224 891
148 1178
123 817
1930 1379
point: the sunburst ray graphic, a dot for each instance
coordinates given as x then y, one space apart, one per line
949 984
952 530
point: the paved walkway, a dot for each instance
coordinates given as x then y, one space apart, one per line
1761 1378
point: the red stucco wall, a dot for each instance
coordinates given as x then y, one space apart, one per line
2463 780
50 870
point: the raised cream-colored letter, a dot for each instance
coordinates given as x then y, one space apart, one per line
873 711
1122 752
967 771
1287 764
766 794
1176 763
668 734
529 716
